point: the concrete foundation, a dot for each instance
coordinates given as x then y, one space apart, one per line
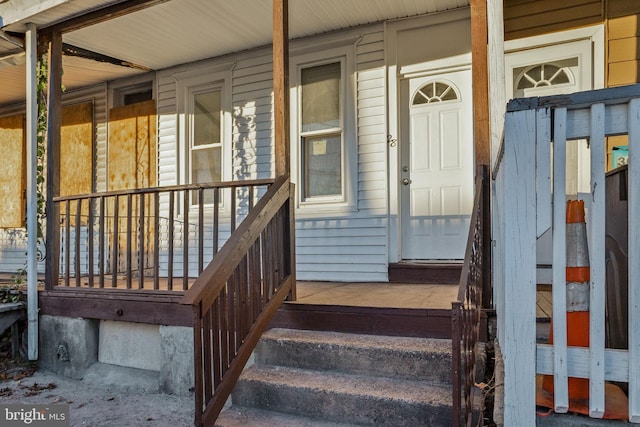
133 356
176 367
68 346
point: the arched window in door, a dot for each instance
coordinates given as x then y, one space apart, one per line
434 91
540 76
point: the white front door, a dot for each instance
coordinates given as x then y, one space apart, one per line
436 165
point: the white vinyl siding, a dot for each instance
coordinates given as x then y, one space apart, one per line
346 245
354 246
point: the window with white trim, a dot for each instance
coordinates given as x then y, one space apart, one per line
205 121
321 131
325 129
206 136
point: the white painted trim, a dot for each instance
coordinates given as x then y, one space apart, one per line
439 66
118 88
185 87
348 201
594 33
394 74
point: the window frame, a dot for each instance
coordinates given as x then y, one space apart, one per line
346 200
188 88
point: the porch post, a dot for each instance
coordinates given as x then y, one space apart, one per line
481 131
54 121
480 75
281 87
32 193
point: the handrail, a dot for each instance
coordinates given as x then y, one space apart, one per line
168 188
467 309
237 294
120 237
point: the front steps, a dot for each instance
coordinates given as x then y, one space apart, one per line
312 378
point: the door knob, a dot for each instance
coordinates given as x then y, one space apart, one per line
406 181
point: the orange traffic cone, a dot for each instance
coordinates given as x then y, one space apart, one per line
578 276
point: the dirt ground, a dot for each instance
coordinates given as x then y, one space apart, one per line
93 406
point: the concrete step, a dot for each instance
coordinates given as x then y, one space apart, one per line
393 357
338 397
251 417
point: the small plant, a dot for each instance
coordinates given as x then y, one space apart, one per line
9 294
41 139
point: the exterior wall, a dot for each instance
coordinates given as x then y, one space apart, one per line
341 244
524 18
13 242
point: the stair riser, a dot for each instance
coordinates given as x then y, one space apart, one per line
391 363
338 407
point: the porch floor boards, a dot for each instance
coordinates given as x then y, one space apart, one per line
356 294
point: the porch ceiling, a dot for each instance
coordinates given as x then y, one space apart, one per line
181 31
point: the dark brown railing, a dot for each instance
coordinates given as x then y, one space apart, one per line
467 309
237 294
147 239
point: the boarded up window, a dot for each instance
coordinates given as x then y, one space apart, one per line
132 164
76 149
132 147
12 178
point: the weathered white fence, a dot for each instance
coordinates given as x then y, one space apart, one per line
525 206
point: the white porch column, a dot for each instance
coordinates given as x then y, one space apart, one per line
32 192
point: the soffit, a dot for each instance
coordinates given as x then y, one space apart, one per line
182 31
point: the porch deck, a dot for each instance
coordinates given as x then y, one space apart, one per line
357 294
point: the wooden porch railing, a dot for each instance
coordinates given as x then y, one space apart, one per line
147 239
530 194
237 294
467 309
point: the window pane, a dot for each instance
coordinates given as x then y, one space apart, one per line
206 118
321 97
322 166
206 167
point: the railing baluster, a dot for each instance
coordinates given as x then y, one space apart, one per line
185 240
90 237
208 348
116 242
156 241
141 244
170 238
101 248
76 249
216 220
200 230
129 245
67 242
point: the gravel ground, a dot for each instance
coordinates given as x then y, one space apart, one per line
94 406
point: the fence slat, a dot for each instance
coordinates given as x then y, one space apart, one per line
543 176
561 396
520 267
634 265
597 262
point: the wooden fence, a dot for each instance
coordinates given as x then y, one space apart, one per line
529 199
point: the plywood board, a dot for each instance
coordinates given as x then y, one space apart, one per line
132 147
76 149
132 164
12 178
